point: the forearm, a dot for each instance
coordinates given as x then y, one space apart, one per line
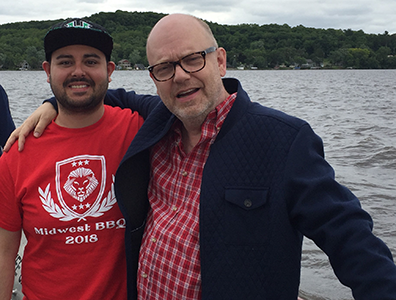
6 278
331 215
143 104
9 243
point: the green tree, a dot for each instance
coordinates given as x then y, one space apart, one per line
247 44
134 57
382 56
358 58
339 57
34 57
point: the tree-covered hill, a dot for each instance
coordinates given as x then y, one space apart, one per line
248 45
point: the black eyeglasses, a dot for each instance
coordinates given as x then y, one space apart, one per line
191 63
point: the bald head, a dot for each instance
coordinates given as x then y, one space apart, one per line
176 28
188 95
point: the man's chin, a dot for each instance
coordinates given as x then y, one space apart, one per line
82 106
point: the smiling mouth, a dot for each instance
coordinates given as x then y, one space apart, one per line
81 86
186 93
78 83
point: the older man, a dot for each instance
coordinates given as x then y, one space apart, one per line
234 186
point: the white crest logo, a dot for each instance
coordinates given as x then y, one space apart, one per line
80 184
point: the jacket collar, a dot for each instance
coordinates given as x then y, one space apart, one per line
239 107
161 119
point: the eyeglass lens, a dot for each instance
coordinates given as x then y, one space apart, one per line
190 63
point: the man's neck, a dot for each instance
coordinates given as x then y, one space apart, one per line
191 130
69 119
190 138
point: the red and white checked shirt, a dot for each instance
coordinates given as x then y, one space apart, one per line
169 262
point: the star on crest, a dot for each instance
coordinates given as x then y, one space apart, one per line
80 163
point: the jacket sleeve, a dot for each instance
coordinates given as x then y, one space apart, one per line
6 122
331 215
143 104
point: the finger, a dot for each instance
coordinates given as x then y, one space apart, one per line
40 127
24 131
21 143
11 140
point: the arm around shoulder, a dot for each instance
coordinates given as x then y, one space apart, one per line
37 121
143 104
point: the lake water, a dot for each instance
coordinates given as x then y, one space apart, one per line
354 111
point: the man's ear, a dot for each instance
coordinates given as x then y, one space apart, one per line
47 68
110 69
222 60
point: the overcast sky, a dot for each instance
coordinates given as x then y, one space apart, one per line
371 16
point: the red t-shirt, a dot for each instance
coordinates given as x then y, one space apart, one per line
59 190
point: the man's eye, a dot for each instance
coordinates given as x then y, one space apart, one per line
65 63
91 62
195 59
163 68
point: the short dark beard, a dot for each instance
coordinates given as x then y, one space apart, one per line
87 106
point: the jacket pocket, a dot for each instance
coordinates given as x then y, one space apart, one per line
245 218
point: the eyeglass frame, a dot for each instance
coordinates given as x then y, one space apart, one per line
178 62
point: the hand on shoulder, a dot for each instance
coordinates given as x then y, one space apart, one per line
37 121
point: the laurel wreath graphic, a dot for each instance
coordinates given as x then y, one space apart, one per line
65 214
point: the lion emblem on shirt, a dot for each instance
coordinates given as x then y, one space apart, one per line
81 183
81 192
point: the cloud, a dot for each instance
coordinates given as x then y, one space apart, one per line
370 16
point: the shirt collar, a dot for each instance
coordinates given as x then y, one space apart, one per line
215 118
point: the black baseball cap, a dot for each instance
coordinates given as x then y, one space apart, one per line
77 32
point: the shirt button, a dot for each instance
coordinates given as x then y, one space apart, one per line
174 208
154 240
248 203
144 275
218 128
184 173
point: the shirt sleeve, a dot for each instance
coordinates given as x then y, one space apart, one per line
10 213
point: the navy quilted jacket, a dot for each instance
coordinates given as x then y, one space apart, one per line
265 185
6 122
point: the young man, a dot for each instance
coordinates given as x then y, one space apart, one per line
59 191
